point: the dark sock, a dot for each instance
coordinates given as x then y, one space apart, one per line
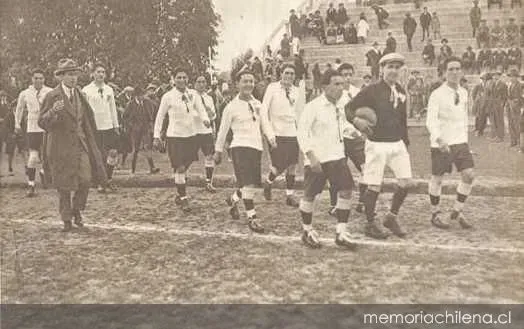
332 196
31 173
239 194
461 198
342 215
248 204
290 182
307 217
362 188
209 173
181 190
435 200
124 157
133 162
109 169
271 177
370 202
398 199
151 163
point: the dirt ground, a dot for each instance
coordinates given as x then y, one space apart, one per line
138 247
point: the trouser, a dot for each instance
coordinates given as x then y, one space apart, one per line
514 117
475 25
481 120
425 31
497 120
68 206
409 38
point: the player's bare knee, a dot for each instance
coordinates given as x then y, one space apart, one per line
181 170
33 159
468 176
374 188
291 170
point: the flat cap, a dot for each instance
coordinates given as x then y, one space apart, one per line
392 58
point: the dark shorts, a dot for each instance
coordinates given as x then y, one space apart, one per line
285 154
354 150
442 162
336 172
107 140
182 151
34 141
12 142
247 165
205 143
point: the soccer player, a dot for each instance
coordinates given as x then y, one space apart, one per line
387 143
242 116
447 123
30 101
180 105
101 98
320 136
281 106
204 137
354 142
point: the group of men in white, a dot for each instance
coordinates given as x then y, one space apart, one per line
329 131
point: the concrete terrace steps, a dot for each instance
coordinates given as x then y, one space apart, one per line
393 7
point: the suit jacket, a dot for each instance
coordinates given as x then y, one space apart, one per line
373 57
410 25
515 94
63 142
139 116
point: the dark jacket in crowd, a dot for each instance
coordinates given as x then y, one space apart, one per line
410 25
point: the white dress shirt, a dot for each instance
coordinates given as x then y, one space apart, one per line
279 113
244 122
320 129
103 105
350 132
182 108
30 100
445 120
206 102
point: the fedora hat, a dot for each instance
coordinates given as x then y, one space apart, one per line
67 65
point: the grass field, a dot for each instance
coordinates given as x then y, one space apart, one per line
139 248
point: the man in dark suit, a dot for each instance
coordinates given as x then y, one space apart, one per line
72 156
468 60
410 25
484 58
391 44
331 14
515 90
373 57
481 104
499 94
425 22
342 15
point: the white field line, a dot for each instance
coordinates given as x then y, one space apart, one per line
359 239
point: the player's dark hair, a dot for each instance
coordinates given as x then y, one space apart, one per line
179 70
37 70
202 75
451 59
345 66
242 73
286 66
99 64
328 75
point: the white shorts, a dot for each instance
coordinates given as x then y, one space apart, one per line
381 154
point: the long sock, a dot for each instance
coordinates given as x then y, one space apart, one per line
31 174
332 196
109 169
435 203
271 177
306 212
151 163
290 185
236 196
250 207
463 191
370 202
180 182
133 162
209 174
362 188
398 199
435 190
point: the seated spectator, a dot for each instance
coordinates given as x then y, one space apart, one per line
484 59
331 35
300 66
319 30
391 44
497 34
268 71
285 47
294 24
362 29
331 14
491 2
428 53
512 33
342 15
499 60
351 34
337 64
516 2
310 24
295 45
435 26
373 57
445 49
340 34
515 57
468 61
483 34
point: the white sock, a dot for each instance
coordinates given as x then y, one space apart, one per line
290 192
307 227
250 213
31 183
341 228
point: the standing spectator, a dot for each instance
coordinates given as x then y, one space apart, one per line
410 25
391 44
468 61
516 2
331 35
300 66
445 53
514 107
435 26
268 53
498 93
495 1
416 94
295 46
428 53
483 34
475 15
481 103
331 14
352 34
382 15
303 21
285 50
515 57
257 69
363 29
342 15
373 57
317 76
484 58
512 33
318 28
425 21
338 62
497 34
294 24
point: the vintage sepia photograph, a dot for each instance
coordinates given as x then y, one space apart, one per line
235 161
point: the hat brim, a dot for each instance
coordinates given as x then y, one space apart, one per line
71 69
393 61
